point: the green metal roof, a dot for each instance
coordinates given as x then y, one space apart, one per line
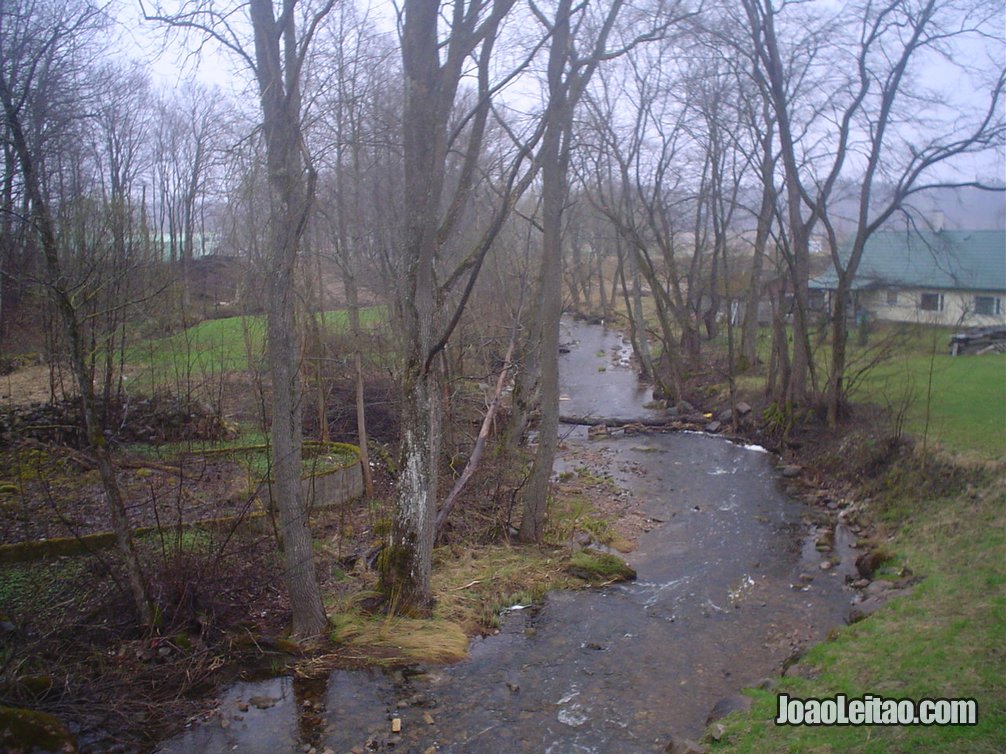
973 260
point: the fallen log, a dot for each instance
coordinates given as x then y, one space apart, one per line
610 421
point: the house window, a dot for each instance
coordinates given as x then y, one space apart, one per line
892 297
990 306
815 299
932 302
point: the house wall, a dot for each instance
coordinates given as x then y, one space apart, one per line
958 307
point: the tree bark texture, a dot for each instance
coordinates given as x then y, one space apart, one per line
288 209
407 561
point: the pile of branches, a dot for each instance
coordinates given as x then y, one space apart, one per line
158 419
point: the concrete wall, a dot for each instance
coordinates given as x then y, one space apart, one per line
335 487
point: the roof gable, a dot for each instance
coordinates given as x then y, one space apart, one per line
950 259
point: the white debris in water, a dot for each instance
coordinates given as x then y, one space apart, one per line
755 448
514 608
574 716
656 589
737 592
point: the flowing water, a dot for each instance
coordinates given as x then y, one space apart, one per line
728 584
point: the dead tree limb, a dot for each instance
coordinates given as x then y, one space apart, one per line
480 442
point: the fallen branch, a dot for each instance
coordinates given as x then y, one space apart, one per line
480 442
610 421
466 586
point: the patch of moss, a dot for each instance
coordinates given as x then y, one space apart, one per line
591 565
317 458
25 731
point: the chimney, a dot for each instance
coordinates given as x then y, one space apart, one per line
937 221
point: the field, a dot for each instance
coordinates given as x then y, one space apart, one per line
218 346
956 401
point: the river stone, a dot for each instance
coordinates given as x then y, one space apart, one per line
825 540
263 702
872 604
869 562
868 606
716 732
728 704
713 426
743 409
790 470
877 587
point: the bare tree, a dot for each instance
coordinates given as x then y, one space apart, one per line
857 120
355 88
277 60
44 50
433 67
568 74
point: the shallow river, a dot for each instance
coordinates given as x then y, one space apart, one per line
719 604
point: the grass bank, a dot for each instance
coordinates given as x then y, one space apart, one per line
945 521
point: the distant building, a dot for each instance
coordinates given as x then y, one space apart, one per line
947 277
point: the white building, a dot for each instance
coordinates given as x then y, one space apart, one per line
951 277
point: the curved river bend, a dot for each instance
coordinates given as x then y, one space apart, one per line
728 585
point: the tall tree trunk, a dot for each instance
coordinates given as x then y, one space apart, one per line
639 320
288 210
406 564
801 368
835 395
554 158
353 304
749 333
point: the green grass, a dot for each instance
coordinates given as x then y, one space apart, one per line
965 402
223 345
248 435
943 640
962 409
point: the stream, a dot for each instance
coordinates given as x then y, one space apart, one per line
728 586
